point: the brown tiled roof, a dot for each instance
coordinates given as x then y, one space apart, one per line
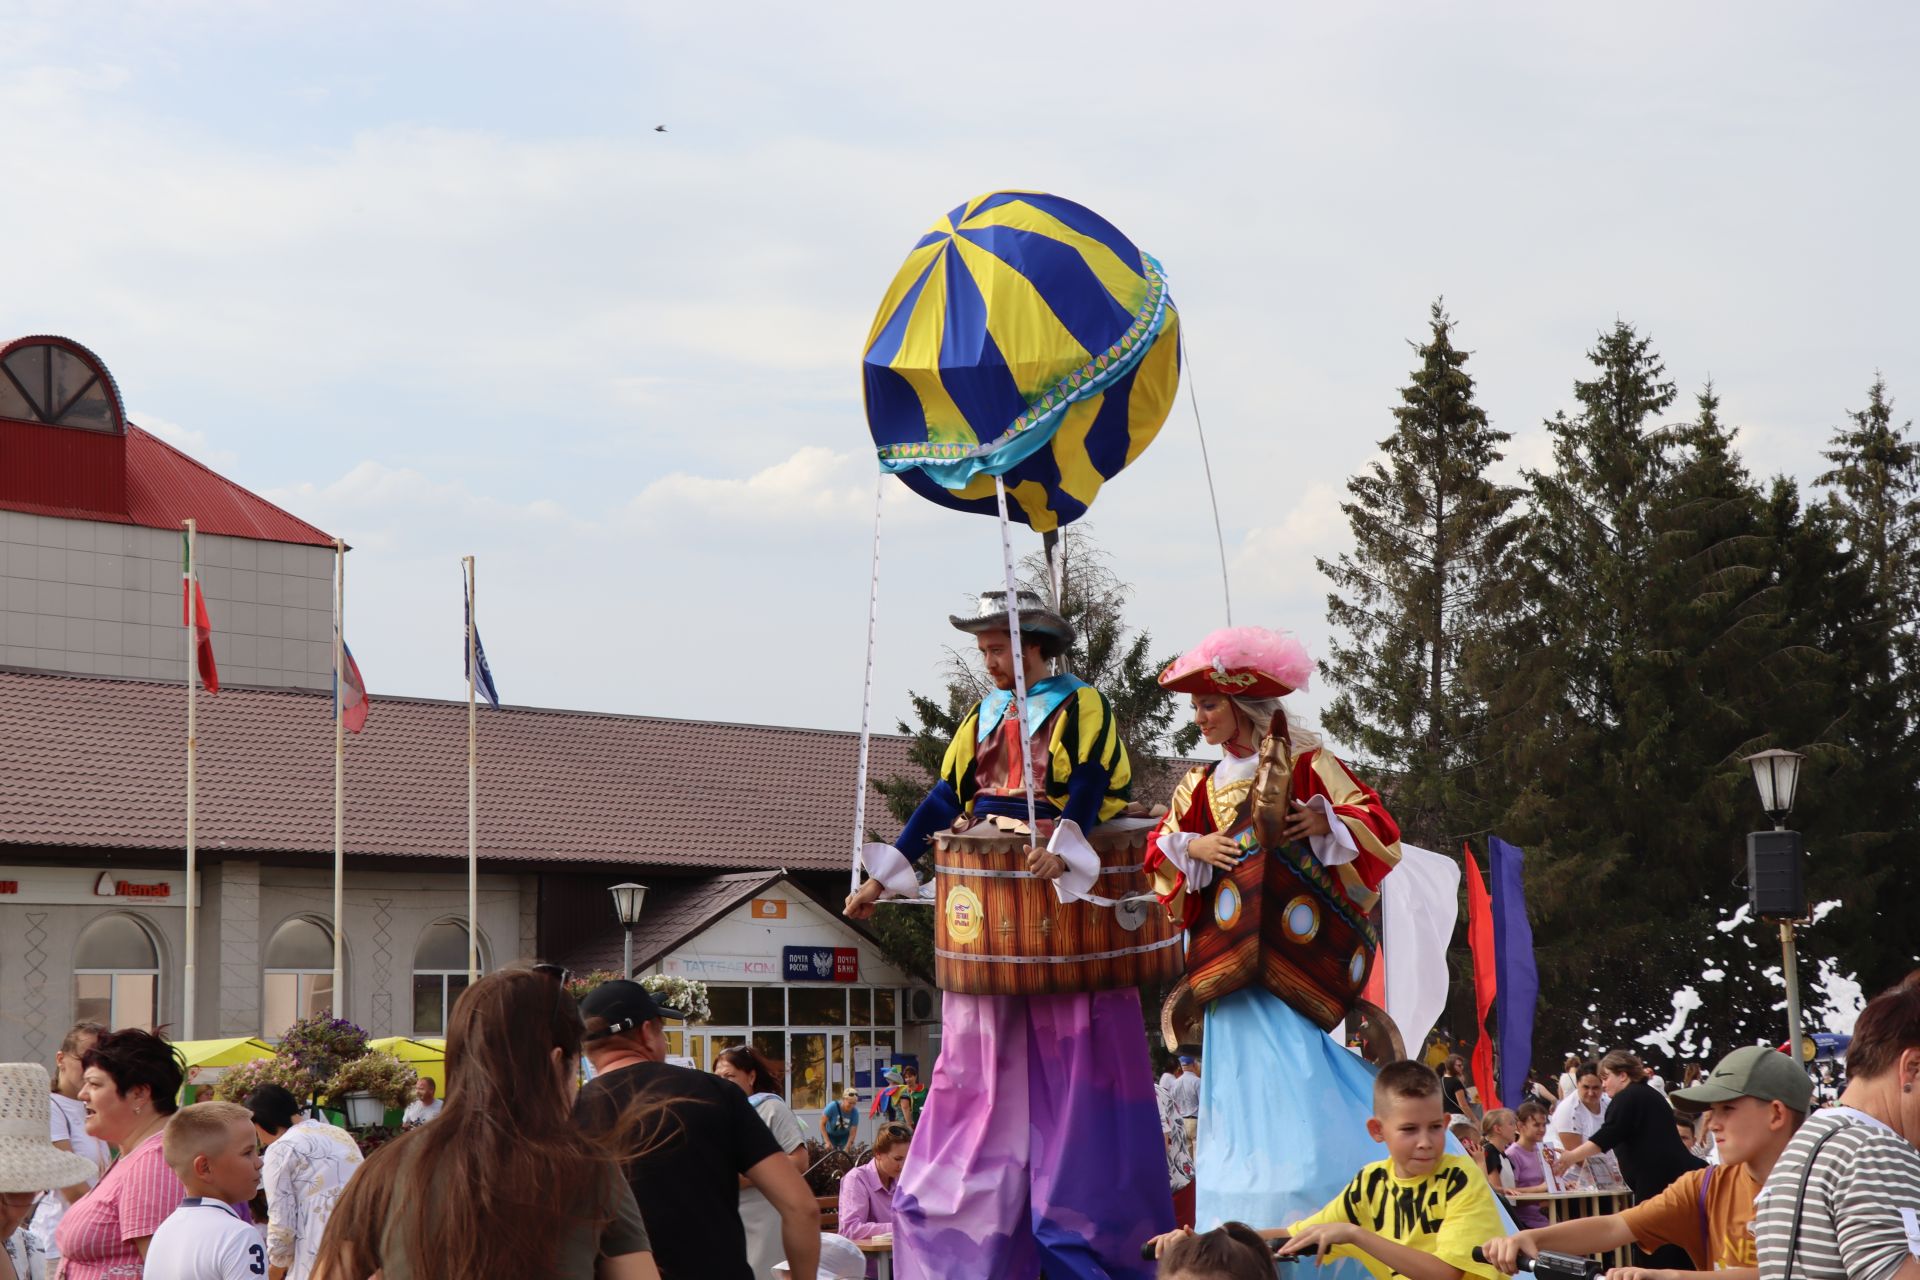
87 762
672 913
99 763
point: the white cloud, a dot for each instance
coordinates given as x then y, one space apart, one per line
813 483
188 440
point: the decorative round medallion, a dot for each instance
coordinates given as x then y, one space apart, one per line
965 919
1357 967
1226 904
1301 919
1130 915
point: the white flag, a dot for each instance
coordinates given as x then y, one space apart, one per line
1419 903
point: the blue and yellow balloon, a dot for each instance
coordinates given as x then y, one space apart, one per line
1025 338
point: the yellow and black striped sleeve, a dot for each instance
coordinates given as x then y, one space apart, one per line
957 769
1087 737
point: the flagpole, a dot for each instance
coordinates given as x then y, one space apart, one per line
473 805
339 777
193 918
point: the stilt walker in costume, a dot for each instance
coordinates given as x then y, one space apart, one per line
1273 857
1040 1149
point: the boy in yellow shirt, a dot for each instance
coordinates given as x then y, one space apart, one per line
1417 1214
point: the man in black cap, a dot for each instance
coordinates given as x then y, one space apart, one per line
703 1141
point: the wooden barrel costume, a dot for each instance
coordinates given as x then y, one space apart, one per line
1279 919
1000 931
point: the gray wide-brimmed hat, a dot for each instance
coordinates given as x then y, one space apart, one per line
1053 632
28 1159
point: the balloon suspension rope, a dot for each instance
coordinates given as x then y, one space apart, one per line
1019 659
866 690
1219 539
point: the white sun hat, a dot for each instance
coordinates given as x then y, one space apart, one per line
28 1159
840 1259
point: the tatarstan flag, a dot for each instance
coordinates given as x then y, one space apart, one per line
352 708
193 613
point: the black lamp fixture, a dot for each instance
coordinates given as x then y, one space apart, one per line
1777 774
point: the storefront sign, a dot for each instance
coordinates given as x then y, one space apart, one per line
769 909
89 886
721 968
110 886
820 964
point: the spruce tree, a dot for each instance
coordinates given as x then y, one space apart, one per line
1571 747
1873 502
1430 530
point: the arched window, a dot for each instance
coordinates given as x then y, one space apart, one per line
116 974
440 974
58 382
299 975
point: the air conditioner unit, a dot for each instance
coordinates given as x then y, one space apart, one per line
923 1006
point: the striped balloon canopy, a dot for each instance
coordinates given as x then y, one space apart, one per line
1025 338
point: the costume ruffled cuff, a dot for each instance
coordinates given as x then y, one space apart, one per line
890 867
1337 846
1173 847
1083 864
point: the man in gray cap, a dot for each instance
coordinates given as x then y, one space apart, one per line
1039 1149
1756 1099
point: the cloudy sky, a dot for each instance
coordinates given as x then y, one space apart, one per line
427 275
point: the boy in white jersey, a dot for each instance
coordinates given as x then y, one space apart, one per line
212 1148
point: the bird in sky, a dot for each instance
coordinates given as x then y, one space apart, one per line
659 128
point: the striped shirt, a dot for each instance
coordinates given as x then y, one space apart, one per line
136 1195
1861 1202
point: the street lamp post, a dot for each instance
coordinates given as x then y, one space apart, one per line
627 900
1776 887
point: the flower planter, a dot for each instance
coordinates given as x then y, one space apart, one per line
363 1109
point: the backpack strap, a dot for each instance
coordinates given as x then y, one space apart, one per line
1706 1232
1800 1199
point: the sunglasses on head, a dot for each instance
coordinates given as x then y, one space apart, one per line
559 973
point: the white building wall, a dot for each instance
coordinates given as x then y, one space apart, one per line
241 905
104 599
740 935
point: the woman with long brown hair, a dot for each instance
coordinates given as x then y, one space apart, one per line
503 1183
743 1066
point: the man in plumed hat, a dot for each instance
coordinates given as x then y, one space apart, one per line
1039 1149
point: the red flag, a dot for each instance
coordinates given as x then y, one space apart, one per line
1480 942
1376 988
193 613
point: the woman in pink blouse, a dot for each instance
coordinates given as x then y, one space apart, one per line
130 1083
866 1192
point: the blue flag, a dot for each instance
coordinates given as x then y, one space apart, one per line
483 677
1518 981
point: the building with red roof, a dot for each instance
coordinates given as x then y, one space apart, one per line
93 792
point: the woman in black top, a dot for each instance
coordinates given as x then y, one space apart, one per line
1453 1087
1639 1130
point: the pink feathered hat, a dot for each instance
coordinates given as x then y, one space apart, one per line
1241 662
